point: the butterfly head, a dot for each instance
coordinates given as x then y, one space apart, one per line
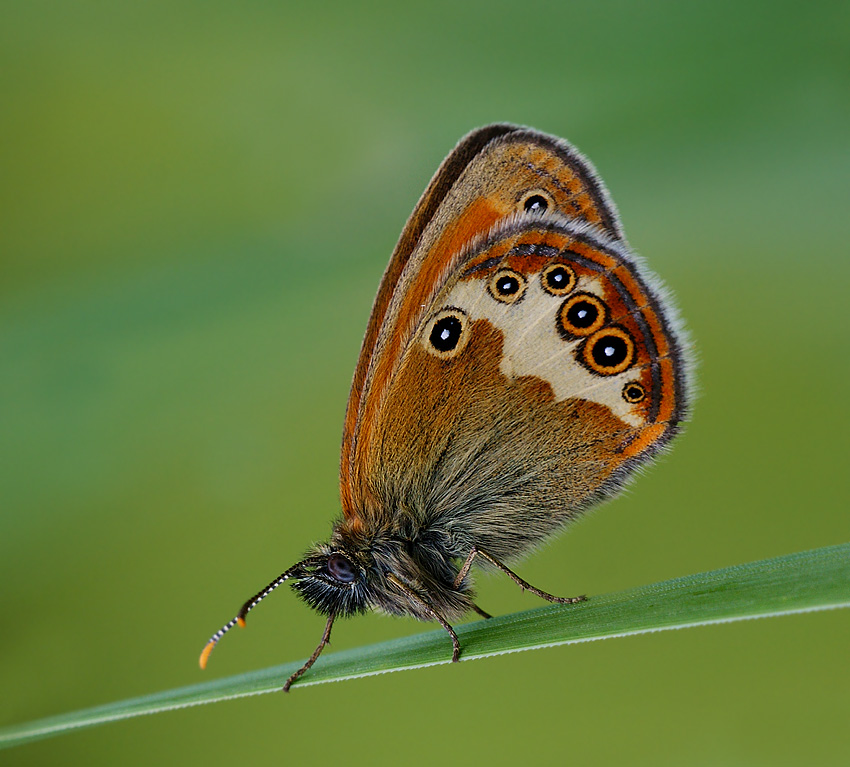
361 569
333 580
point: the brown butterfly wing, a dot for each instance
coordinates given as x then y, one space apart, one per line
523 422
491 174
445 177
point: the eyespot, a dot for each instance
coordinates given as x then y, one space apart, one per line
341 569
634 392
507 286
581 315
446 335
608 352
558 279
537 201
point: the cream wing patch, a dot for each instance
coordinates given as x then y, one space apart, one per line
534 347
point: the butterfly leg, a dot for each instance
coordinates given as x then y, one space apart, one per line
464 570
326 638
431 609
462 574
513 576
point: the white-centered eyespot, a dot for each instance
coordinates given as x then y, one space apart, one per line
558 279
447 333
582 315
507 286
633 392
536 201
609 351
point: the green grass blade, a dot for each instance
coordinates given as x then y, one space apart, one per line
811 580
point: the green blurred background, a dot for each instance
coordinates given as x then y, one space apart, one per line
197 200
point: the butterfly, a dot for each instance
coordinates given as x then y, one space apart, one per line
519 364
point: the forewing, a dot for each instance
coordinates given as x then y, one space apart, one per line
494 173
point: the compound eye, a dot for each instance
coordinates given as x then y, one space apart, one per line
341 569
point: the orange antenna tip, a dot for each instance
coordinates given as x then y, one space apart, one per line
248 606
205 654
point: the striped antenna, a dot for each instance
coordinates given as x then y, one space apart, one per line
244 610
